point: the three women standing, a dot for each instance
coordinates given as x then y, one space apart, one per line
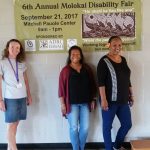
77 91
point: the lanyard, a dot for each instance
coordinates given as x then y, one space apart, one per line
15 72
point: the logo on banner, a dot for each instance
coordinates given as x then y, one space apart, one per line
43 44
52 44
30 45
71 42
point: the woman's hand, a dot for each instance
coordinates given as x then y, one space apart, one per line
29 100
93 105
131 101
63 109
104 104
2 105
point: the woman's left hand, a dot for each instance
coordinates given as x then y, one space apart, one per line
29 100
93 105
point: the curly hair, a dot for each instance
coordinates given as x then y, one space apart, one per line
20 57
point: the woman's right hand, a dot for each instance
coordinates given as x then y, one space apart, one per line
104 104
63 109
2 105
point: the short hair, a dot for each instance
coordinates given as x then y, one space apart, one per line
20 57
75 48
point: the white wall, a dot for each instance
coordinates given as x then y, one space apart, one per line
45 123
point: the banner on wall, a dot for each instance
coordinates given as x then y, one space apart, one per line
55 25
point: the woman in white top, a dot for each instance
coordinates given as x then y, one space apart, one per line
16 92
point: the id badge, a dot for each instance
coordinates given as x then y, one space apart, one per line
19 85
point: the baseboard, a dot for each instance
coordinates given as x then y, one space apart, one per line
92 145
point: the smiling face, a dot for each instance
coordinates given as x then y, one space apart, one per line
13 49
75 56
115 46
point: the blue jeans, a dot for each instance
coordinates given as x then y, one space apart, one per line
78 120
124 115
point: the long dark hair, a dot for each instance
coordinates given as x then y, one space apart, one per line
75 48
20 57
